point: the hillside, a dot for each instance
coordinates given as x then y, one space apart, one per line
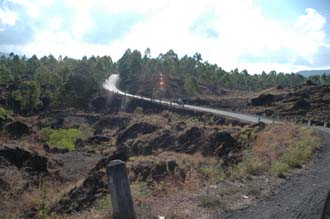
308 73
59 129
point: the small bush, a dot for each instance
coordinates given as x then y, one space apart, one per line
297 153
61 138
212 173
253 167
140 189
86 131
3 114
138 110
280 168
103 203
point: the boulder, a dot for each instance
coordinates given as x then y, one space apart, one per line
97 139
141 148
188 142
263 99
17 129
25 159
157 171
163 140
301 104
83 196
136 129
110 122
220 144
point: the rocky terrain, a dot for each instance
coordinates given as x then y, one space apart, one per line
175 159
308 101
70 181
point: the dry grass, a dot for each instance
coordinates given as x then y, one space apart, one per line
285 146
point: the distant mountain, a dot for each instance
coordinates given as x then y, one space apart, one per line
308 73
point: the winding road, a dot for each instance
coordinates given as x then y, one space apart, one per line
111 85
302 196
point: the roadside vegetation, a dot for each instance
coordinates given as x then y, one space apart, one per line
64 138
4 114
272 154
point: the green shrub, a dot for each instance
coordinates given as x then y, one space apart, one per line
44 134
297 153
61 138
138 110
3 114
253 167
279 168
86 131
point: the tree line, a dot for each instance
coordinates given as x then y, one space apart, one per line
32 84
190 75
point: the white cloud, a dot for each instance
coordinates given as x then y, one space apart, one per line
243 31
33 7
8 17
56 23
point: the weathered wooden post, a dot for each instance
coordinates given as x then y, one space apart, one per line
170 103
325 124
122 202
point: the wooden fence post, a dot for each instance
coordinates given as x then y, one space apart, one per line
309 123
122 202
325 124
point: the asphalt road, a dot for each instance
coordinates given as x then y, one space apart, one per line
111 85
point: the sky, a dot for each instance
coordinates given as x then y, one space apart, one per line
257 35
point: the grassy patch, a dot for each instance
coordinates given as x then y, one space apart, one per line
4 114
279 168
140 190
65 138
297 153
277 149
61 138
103 203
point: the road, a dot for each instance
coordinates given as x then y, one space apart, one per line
111 85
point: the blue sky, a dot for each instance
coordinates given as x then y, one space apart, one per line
281 35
